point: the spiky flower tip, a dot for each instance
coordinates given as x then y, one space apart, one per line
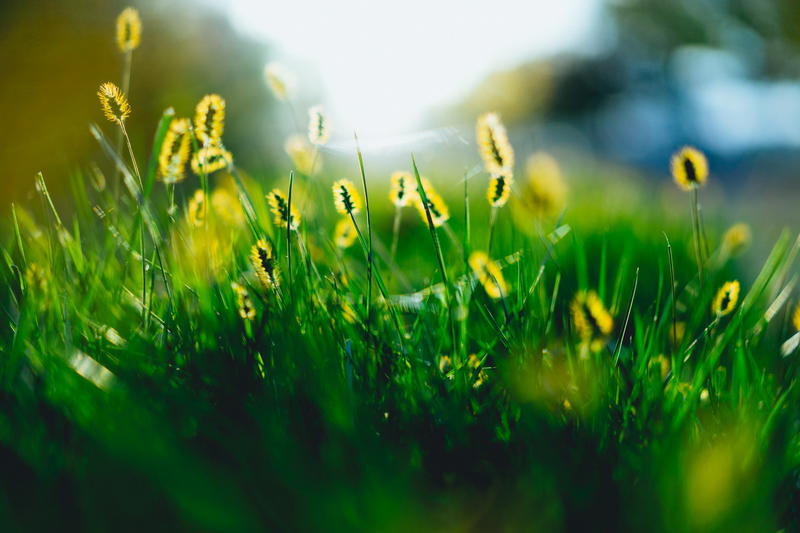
796 317
488 274
318 128
302 154
210 159
737 238
129 30
726 298
591 319
263 261
209 120
243 302
689 168
279 206
279 80
197 208
344 234
496 151
499 190
175 151
346 198
402 188
113 102
436 206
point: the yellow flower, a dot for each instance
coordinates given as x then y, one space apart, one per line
402 188
318 127
544 192
280 80
473 361
246 309
438 209
279 206
726 298
263 261
113 103
736 238
796 317
302 155
591 319
445 364
209 120
210 159
689 168
488 274
129 30
483 377
344 235
496 151
346 198
499 190
175 151
196 210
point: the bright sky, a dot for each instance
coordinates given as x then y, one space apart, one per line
382 63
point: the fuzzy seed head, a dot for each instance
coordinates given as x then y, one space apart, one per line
689 168
264 264
726 299
129 30
346 198
402 188
318 127
211 159
175 151
591 319
496 151
280 81
113 103
344 234
436 205
499 190
209 120
488 274
243 302
279 206
197 208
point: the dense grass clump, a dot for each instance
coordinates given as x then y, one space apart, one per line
183 351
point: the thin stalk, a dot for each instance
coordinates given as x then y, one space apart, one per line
398 213
289 237
492 220
369 232
126 83
696 231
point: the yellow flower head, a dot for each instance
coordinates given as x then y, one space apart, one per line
736 238
264 264
279 206
488 274
175 151
499 190
591 319
436 206
544 192
796 317
302 154
445 364
496 151
113 102
689 168
210 159
726 298
318 127
196 209
402 188
346 198
209 120
129 30
344 235
246 309
280 80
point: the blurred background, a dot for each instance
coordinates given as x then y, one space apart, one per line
607 82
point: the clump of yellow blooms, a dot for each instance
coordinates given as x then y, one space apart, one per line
499 190
436 206
114 104
402 188
344 234
211 159
496 151
129 30
264 264
209 120
346 198
279 80
318 128
175 151
689 168
726 298
243 302
279 206
591 319
302 154
488 274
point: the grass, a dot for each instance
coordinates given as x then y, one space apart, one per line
136 396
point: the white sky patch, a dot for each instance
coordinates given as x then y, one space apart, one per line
382 63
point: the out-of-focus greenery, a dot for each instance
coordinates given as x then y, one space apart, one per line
392 394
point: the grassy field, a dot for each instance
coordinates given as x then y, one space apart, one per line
188 346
